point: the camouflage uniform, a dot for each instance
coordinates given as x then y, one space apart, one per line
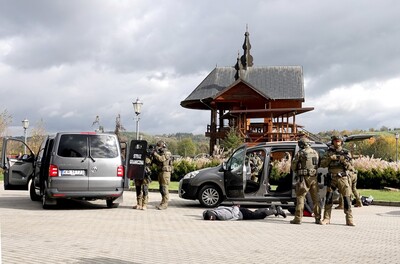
339 163
256 164
305 164
356 194
142 188
162 158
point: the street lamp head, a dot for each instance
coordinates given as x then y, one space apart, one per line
25 123
137 106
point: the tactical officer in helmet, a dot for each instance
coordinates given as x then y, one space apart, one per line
305 164
142 187
340 166
162 158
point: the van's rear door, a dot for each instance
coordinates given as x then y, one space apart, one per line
106 172
72 160
17 161
235 174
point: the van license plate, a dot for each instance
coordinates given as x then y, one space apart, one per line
72 173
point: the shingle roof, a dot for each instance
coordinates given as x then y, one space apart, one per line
275 82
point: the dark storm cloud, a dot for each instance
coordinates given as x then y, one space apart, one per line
68 61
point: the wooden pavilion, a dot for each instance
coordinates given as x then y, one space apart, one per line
260 102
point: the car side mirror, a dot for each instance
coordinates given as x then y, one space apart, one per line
224 166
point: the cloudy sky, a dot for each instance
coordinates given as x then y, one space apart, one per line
66 62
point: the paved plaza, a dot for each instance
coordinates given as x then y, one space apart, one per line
89 232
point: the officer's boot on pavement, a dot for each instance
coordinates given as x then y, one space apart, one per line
144 202
138 206
326 221
295 221
349 222
163 205
297 217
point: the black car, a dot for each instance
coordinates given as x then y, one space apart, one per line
235 180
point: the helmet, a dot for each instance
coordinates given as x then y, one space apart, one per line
336 138
303 142
161 144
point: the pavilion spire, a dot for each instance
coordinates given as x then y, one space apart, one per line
246 59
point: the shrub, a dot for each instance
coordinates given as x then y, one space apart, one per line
376 173
185 165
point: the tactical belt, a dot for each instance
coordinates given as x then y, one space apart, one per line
306 172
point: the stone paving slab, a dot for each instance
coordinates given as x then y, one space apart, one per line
89 232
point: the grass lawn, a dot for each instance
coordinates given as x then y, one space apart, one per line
381 195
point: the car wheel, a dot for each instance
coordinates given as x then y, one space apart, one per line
35 196
210 196
111 204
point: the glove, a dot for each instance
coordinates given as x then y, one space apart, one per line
342 158
333 157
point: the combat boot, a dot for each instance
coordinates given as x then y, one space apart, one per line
326 221
144 202
295 221
139 204
164 204
349 222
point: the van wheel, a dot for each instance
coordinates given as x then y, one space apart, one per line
111 204
35 196
210 196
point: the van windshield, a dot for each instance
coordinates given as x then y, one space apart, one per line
76 146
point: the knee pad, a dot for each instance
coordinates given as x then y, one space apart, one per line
329 198
163 189
347 202
145 190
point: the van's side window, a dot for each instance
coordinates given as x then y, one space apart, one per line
72 146
102 146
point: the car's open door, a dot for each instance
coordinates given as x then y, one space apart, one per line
235 174
17 161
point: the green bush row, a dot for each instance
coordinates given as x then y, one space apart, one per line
185 165
377 179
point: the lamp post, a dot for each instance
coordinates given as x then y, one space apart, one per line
397 139
137 107
25 125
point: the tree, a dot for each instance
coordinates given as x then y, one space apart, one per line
186 147
38 135
232 140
